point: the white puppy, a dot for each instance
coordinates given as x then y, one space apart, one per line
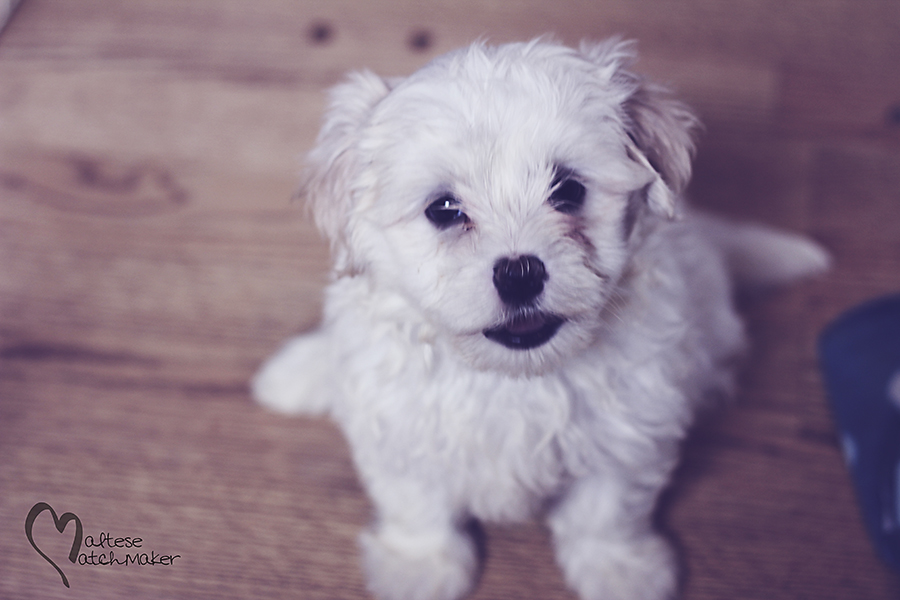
523 318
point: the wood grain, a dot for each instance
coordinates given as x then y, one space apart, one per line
150 258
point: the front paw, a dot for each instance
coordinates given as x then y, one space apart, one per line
291 381
640 569
430 566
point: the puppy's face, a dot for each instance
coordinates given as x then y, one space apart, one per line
499 192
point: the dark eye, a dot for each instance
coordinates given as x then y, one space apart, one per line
444 212
566 193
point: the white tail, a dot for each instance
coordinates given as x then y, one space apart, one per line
760 256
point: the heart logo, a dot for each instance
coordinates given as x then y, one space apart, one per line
60 523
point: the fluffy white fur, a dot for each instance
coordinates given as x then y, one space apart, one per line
446 424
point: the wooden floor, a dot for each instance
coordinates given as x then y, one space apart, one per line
150 259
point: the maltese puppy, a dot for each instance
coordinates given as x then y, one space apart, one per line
523 316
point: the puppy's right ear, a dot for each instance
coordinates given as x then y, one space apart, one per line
332 165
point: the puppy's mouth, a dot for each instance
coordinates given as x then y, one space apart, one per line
525 331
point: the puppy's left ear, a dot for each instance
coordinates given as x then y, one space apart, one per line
662 130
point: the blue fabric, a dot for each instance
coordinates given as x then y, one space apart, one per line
860 358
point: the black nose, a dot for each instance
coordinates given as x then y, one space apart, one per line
519 280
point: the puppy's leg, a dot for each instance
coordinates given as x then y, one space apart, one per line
416 549
606 545
291 380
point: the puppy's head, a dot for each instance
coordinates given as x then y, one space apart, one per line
500 191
